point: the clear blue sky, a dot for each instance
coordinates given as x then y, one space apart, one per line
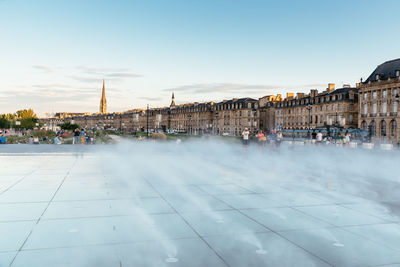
54 54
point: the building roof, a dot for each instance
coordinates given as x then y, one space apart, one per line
238 100
338 91
385 70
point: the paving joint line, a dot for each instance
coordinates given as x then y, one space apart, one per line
188 224
38 220
277 233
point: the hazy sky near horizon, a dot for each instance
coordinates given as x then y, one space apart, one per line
54 54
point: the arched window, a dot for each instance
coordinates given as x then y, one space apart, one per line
383 128
393 128
373 128
364 125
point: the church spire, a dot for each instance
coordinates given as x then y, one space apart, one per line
173 100
103 101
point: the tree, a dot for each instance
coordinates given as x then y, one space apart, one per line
26 113
28 123
68 126
4 123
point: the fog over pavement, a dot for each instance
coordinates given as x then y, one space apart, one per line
199 203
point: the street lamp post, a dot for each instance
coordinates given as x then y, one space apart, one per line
120 123
190 124
309 107
147 121
397 99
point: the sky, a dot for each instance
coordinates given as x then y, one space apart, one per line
54 54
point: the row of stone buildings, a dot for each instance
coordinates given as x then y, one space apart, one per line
371 105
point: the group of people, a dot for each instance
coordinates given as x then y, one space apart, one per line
81 137
274 137
340 138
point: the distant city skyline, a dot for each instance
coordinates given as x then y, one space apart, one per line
55 54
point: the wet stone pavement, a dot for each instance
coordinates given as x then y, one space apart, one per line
68 210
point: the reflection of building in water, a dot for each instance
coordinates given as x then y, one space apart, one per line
379 101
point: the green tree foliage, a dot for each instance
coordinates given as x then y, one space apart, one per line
69 126
26 117
4 123
28 123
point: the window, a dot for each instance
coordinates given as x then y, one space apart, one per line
374 95
365 96
351 107
395 106
393 127
365 109
374 108
351 118
248 113
364 125
383 128
384 107
384 93
397 73
373 128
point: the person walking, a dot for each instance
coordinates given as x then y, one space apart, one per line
319 138
279 138
245 137
260 137
347 137
82 136
313 137
75 140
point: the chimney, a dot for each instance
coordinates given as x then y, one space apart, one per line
331 87
289 96
313 92
300 95
346 85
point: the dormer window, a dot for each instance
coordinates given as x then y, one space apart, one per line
377 77
397 73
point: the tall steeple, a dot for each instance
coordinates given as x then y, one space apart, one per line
173 100
103 101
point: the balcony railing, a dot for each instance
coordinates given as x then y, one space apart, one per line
373 115
363 115
383 114
393 113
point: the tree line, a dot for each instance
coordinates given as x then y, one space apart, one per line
22 119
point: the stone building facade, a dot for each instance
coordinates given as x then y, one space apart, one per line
267 111
228 117
379 101
312 111
372 106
